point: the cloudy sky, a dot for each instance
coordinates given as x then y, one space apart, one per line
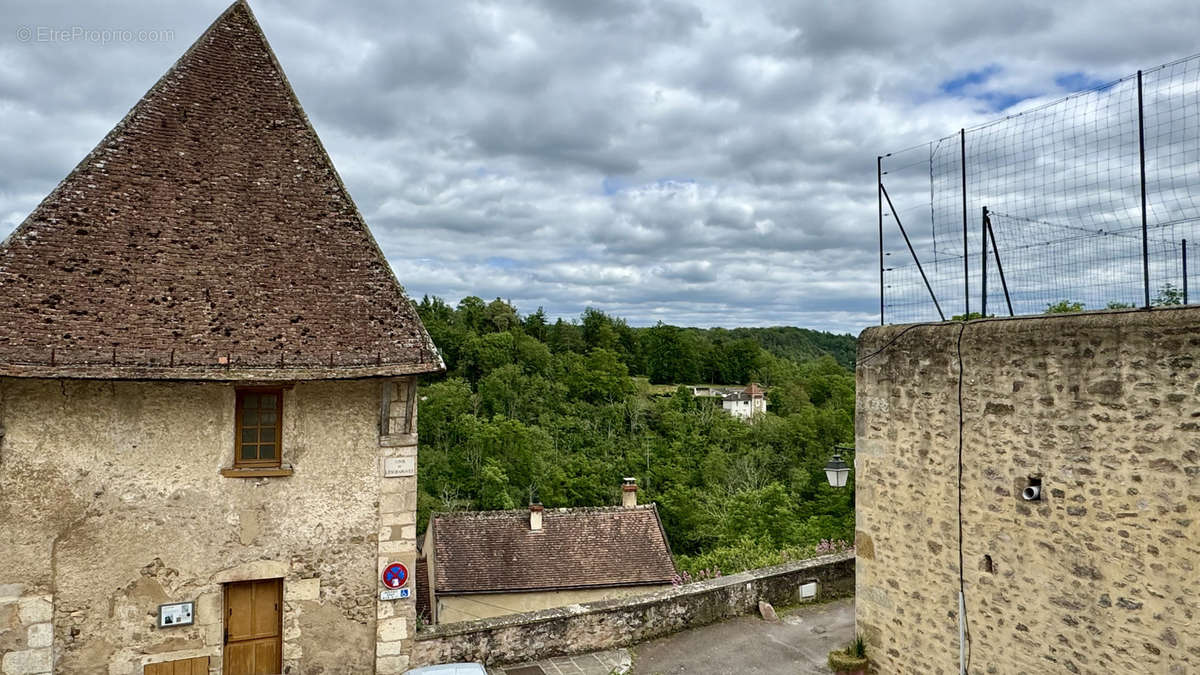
698 163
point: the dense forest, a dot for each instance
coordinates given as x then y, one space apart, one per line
564 410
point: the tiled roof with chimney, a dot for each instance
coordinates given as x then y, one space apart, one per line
208 236
496 552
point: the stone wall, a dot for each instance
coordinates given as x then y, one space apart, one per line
112 502
397 522
471 606
1098 576
625 621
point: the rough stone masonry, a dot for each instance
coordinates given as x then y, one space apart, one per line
114 504
1099 575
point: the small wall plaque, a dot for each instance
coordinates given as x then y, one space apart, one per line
176 614
395 467
394 594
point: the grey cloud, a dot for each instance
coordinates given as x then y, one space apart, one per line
736 139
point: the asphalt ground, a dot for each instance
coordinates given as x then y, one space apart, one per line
797 645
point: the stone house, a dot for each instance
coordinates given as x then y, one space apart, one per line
207 396
480 564
746 404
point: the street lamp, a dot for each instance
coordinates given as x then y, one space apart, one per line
836 470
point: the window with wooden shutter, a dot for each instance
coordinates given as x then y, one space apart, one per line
259 428
398 411
193 666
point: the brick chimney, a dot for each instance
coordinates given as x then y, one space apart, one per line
535 517
629 492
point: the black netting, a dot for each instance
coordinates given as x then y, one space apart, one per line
1063 187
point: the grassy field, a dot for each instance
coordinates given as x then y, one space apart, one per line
661 389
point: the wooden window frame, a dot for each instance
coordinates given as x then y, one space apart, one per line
275 463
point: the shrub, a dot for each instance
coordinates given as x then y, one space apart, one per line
749 555
853 657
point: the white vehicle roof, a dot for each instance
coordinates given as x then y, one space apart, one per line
449 669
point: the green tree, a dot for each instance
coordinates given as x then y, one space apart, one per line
471 314
494 490
565 337
441 404
485 353
535 325
1168 294
788 398
499 316
737 360
1064 307
597 329
671 357
533 356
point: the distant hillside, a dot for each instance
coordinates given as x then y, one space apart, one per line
795 344
565 409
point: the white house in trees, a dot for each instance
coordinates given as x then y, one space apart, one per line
747 403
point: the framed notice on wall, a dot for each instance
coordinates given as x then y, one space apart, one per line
176 614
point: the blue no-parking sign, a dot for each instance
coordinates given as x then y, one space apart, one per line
395 575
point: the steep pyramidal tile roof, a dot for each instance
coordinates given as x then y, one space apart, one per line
495 551
208 236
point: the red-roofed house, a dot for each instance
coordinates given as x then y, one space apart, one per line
482 564
747 404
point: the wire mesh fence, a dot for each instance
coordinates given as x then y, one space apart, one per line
1085 201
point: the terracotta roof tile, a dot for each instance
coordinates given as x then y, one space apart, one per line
424 612
495 551
207 236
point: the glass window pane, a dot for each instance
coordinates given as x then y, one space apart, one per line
267 417
266 434
249 452
266 452
250 401
249 436
268 401
250 418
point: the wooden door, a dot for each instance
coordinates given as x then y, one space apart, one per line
253 636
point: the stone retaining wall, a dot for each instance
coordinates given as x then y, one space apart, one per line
625 621
1100 574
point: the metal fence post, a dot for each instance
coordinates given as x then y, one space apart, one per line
879 198
1185 284
962 136
1142 156
983 264
987 224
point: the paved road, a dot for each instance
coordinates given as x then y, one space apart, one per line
748 645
